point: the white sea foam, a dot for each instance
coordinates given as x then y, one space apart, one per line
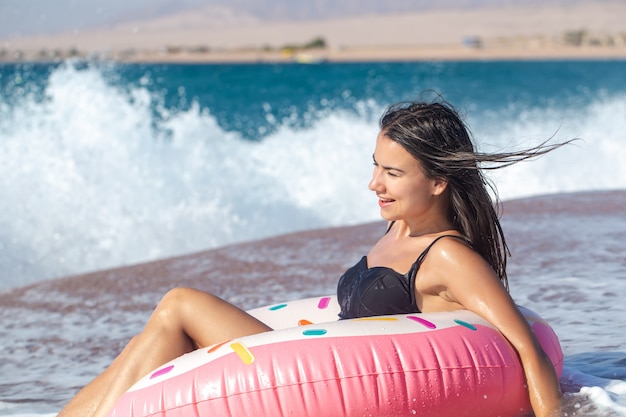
87 183
592 163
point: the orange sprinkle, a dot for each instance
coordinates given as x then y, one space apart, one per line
217 346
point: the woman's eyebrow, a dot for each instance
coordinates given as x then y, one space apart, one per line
388 168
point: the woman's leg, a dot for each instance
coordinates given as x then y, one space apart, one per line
184 320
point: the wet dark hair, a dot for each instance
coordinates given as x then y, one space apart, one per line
434 134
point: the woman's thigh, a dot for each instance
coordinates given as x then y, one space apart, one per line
205 318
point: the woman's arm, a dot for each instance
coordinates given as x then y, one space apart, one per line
471 282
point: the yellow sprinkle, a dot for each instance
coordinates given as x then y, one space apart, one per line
244 354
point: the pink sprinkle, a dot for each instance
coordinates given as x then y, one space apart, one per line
324 302
162 371
423 322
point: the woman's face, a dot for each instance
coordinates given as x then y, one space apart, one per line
403 189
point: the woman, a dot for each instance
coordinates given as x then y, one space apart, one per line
443 229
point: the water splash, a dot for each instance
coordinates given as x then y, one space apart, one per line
97 172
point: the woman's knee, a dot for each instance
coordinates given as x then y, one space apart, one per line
177 301
171 304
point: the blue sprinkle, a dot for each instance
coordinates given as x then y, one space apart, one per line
465 324
278 307
316 332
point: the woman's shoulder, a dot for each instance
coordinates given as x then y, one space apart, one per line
452 253
446 241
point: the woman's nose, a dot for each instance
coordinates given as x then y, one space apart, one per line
375 183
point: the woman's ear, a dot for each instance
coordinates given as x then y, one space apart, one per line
439 186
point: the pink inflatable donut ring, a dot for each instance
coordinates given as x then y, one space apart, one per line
439 364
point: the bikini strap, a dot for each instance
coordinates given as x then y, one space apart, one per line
422 255
418 263
420 258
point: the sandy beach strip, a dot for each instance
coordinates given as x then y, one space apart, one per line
380 54
585 30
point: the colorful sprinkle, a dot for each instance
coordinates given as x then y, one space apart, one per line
217 346
378 318
423 322
162 371
244 354
316 332
278 307
304 322
465 324
324 302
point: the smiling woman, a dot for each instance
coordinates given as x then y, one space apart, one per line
444 251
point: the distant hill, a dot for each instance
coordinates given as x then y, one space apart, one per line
24 18
280 10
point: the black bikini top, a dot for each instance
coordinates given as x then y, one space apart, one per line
377 291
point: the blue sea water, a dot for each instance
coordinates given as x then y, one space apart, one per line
104 165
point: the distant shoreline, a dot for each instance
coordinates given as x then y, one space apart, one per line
344 55
386 55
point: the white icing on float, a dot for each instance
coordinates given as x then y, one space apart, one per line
438 364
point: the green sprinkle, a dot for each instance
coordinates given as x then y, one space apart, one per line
465 324
315 332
